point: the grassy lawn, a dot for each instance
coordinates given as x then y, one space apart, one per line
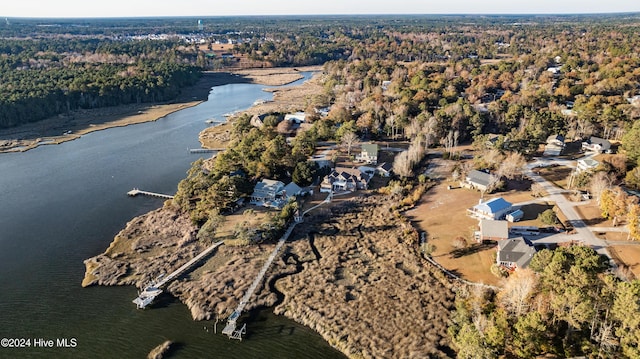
592 216
629 255
254 215
557 175
442 214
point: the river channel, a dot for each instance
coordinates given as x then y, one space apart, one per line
62 204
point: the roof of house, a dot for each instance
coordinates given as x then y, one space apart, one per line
494 229
349 173
494 205
516 250
297 116
386 166
554 138
479 177
370 148
600 141
292 189
267 185
589 162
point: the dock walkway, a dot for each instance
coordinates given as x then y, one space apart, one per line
206 150
134 192
152 290
230 328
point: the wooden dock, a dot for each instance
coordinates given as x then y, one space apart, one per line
230 328
153 289
134 192
206 150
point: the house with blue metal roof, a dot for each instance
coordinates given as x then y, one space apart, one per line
494 209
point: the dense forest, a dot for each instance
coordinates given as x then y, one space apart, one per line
44 77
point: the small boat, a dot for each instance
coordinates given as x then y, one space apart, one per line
211 120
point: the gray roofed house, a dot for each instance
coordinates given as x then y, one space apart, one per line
345 179
266 192
384 169
292 190
492 230
477 180
515 253
596 144
586 164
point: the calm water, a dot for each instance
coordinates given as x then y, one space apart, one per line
62 204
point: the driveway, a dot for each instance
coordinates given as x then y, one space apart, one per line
555 194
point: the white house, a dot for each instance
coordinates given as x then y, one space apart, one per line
345 179
268 193
586 164
493 209
554 146
368 154
298 117
596 144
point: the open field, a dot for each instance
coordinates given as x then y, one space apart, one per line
442 214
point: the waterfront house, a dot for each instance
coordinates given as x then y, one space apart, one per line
515 253
492 209
345 179
297 117
291 190
268 193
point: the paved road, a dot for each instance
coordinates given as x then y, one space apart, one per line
584 234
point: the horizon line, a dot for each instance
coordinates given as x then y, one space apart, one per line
321 15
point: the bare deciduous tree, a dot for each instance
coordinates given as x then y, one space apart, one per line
401 165
348 141
512 165
600 182
429 130
537 190
518 290
493 158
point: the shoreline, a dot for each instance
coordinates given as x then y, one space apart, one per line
355 256
68 127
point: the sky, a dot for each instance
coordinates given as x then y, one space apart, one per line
135 8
